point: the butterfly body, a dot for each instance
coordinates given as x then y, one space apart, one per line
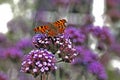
53 29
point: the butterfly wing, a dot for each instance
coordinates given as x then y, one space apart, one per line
52 33
60 25
53 29
42 29
46 30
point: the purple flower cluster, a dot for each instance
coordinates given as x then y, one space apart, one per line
14 50
75 35
89 60
85 56
24 43
97 69
115 48
103 35
66 51
57 45
43 59
41 41
13 53
3 76
38 61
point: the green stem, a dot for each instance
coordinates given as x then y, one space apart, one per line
57 75
40 76
47 76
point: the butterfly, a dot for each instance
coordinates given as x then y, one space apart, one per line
52 29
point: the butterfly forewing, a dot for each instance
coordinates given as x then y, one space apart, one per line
42 29
60 25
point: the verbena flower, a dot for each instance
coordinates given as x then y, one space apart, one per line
86 29
103 35
76 35
13 53
66 51
115 48
3 76
98 70
42 41
38 61
87 59
85 56
57 45
24 43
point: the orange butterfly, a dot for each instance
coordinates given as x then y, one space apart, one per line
53 29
